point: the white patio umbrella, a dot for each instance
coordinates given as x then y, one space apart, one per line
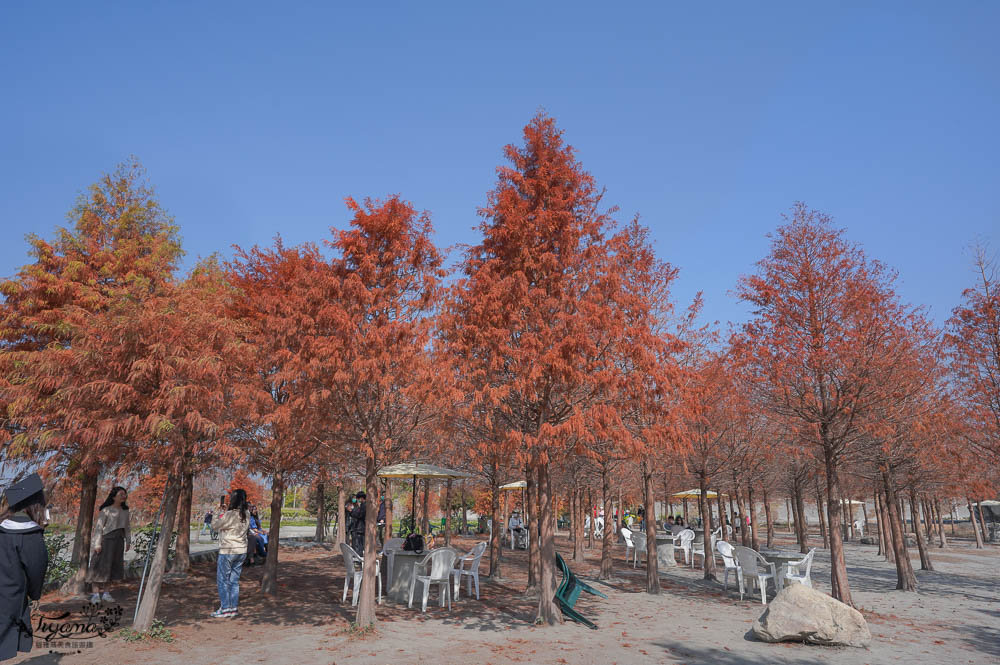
416 470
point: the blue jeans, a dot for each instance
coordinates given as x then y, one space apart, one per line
227 575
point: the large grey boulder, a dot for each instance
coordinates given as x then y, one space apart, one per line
801 614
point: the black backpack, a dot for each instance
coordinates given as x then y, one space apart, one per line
414 543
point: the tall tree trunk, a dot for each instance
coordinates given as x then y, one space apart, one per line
905 579
754 538
341 514
577 510
649 522
925 559
366 602
788 514
496 541
804 526
982 522
76 585
794 517
182 558
838 566
465 511
548 612
819 511
953 516
530 522
571 514
942 539
769 517
269 581
154 581
320 535
447 514
848 508
975 524
723 521
880 526
607 566
593 519
708 561
928 517
864 512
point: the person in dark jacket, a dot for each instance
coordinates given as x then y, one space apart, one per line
358 524
23 562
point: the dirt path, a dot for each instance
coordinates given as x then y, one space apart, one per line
954 619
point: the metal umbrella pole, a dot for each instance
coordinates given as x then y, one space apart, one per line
149 550
413 508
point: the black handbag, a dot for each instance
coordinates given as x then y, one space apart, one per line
414 543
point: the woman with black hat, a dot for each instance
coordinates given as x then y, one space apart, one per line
23 561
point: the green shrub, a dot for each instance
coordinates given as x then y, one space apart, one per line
60 569
144 543
157 631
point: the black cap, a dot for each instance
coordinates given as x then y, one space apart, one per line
361 495
23 490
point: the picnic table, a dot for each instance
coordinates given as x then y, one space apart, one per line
665 551
779 558
403 563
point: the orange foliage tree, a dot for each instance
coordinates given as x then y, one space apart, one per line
532 316
163 387
822 340
282 292
974 342
120 246
254 490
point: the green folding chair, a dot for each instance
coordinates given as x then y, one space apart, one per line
569 591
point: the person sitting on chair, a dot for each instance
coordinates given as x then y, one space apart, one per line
668 526
516 526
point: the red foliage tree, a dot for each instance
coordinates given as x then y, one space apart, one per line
254 490
282 292
974 341
381 384
822 342
532 318
120 246
167 368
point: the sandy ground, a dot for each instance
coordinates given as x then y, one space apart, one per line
955 618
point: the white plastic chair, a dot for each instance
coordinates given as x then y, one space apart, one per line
354 564
699 548
472 558
627 535
792 571
389 549
729 531
686 538
599 528
438 565
753 567
729 561
639 543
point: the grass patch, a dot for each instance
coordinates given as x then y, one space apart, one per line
157 632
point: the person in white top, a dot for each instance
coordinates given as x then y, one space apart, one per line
112 538
232 526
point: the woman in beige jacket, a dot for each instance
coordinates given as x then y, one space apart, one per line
112 538
232 528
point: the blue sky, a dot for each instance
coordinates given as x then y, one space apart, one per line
254 119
